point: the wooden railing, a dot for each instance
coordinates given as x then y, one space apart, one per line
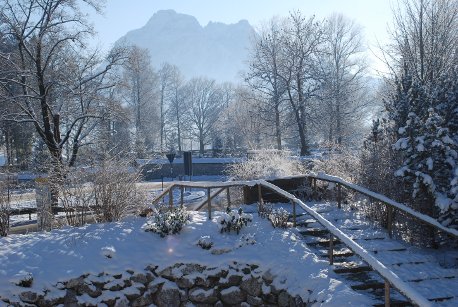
390 278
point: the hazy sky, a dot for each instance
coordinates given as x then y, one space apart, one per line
122 16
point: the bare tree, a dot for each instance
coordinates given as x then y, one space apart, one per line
49 37
302 41
204 100
166 75
425 38
177 105
342 71
263 75
140 84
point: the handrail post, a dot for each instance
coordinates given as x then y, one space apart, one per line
387 293
182 196
331 249
389 221
171 198
228 197
209 204
294 212
339 196
261 202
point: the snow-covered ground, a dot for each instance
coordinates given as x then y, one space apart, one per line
70 252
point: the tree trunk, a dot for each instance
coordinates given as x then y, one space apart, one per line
278 127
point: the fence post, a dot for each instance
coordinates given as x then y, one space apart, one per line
389 226
228 197
171 197
182 196
294 212
331 249
209 204
261 202
387 293
339 196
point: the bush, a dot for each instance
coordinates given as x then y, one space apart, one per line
115 191
266 164
167 221
233 220
264 209
205 242
279 218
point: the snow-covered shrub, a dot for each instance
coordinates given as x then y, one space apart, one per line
205 242
76 196
167 221
341 161
233 220
23 279
264 209
115 191
279 218
266 164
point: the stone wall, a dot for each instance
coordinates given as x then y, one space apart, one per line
234 284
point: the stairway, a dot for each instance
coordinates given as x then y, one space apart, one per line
418 267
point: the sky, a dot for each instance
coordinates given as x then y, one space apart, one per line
121 16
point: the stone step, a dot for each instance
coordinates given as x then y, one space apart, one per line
315 232
352 269
369 285
395 303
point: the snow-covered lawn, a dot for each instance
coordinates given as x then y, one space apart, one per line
116 247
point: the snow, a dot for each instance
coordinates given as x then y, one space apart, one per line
67 253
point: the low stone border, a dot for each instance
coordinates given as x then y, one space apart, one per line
179 285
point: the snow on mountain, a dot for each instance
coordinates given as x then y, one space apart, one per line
216 50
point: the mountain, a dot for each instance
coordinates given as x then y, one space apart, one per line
217 51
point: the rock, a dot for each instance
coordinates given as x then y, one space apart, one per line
185 282
199 295
203 281
70 298
298 302
231 280
168 297
145 300
29 297
115 285
132 292
254 300
142 278
184 297
268 277
269 298
122 302
233 295
284 299
152 269
189 268
53 298
251 285
218 304
75 283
